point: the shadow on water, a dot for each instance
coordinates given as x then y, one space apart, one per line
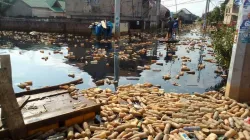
218 86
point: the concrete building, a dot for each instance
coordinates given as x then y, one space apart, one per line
164 13
133 11
231 13
36 8
186 16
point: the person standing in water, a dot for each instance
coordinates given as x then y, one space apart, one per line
170 28
175 26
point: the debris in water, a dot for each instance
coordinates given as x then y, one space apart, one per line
159 63
223 76
133 78
30 83
181 73
177 76
156 70
71 75
201 66
100 82
191 72
27 88
218 71
22 85
147 67
166 77
185 68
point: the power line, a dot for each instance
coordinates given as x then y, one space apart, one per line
188 2
213 4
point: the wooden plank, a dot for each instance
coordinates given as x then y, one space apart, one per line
60 108
22 100
47 94
47 89
12 114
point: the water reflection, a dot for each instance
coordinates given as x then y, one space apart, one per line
28 65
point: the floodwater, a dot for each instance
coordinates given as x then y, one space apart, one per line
27 65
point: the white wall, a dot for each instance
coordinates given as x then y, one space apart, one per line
44 12
123 27
102 8
41 12
228 11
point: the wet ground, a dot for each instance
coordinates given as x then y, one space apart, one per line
27 65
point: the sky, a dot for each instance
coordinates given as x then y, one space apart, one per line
197 7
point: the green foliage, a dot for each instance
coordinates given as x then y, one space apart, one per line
222 41
216 15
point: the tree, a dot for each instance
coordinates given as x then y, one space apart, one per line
217 15
222 41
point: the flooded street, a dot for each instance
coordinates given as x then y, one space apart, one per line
27 65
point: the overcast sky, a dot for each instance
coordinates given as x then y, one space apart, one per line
197 7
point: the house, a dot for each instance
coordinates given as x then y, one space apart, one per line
36 8
186 16
93 9
133 11
164 12
4 5
231 13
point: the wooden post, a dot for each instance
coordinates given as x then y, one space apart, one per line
12 114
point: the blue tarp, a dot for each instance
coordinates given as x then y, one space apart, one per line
98 30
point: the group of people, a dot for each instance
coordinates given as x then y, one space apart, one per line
173 28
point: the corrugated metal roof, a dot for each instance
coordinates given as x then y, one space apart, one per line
37 3
56 9
185 11
51 2
46 4
62 3
163 9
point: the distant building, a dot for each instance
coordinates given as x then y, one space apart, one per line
164 12
231 13
186 16
133 11
36 8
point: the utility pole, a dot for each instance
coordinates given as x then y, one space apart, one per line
176 7
117 36
205 17
238 86
158 7
117 18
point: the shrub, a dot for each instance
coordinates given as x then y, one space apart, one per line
222 41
